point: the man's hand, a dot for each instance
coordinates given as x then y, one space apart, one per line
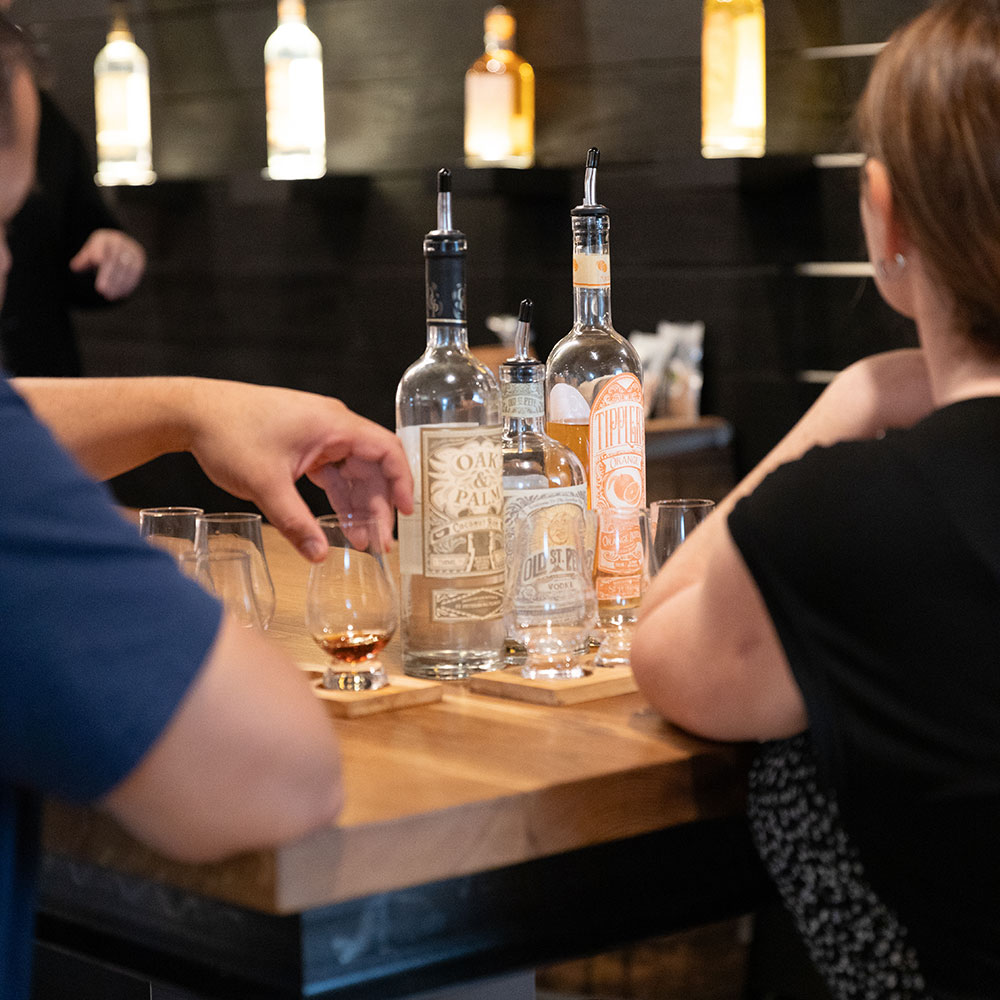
257 441
254 441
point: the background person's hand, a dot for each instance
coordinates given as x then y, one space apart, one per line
119 261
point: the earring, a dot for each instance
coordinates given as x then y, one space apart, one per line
898 263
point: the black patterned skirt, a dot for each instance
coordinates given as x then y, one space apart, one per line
855 941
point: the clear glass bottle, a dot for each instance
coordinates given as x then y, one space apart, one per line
296 119
593 375
451 549
499 100
121 104
542 479
733 110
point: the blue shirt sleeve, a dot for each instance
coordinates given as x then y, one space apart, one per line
100 635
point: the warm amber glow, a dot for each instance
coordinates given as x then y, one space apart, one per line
500 100
121 103
732 78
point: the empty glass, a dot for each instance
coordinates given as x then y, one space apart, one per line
671 521
351 610
169 528
226 574
240 532
552 608
622 570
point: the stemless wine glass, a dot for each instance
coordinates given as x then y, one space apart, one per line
240 531
169 528
551 608
350 603
671 521
226 573
622 570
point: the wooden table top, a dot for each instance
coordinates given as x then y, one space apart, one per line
465 785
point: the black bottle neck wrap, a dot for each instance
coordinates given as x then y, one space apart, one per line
444 268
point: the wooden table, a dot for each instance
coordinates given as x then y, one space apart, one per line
481 836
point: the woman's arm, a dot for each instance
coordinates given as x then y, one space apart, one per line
706 653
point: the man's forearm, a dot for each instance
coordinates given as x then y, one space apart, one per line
111 425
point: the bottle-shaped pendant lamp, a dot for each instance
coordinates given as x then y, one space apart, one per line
296 119
121 103
499 100
732 78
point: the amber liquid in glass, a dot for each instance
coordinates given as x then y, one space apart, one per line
353 647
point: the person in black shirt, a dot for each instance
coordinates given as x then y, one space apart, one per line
68 251
842 605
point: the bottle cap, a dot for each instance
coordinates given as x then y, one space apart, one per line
444 240
499 23
522 367
590 205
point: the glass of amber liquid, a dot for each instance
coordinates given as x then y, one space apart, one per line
351 609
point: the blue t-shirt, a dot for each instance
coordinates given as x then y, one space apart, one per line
100 638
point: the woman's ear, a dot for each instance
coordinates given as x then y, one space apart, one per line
876 193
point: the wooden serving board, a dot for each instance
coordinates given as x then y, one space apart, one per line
599 682
400 692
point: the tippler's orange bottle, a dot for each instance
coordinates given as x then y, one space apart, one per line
593 376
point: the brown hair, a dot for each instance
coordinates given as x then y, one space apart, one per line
15 53
931 114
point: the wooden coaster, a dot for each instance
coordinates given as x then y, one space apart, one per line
400 692
599 682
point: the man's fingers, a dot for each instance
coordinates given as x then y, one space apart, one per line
288 512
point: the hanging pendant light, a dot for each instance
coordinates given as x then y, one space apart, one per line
121 103
732 78
296 119
499 99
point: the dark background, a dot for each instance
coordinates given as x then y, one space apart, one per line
318 285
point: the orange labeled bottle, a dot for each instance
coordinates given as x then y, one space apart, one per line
593 376
593 381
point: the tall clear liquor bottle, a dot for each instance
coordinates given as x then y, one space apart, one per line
542 479
296 119
593 375
451 548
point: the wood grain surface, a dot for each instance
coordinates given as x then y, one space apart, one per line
465 785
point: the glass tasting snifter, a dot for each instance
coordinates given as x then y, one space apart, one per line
622 570
553 609
240 531
350 603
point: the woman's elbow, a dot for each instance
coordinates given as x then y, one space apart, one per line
651 665
667 673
